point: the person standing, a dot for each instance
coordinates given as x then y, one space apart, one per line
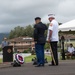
4 42
40 39
52 38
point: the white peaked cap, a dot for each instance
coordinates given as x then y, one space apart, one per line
51 15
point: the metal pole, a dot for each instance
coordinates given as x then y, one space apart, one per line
62 42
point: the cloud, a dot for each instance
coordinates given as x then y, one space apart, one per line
23 12
66 8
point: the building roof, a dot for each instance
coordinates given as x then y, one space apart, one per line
23 47
21 39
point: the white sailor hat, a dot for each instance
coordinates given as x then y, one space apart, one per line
51 15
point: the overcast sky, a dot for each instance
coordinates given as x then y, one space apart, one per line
22 12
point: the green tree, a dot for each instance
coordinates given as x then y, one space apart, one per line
0 49
21 31
46 30
29 31
16 32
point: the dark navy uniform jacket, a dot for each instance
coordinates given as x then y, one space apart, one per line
39 30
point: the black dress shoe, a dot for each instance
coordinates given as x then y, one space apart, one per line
38 65
52 65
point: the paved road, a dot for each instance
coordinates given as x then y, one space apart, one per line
65 68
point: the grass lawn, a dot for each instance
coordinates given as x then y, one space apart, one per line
29 58
0 60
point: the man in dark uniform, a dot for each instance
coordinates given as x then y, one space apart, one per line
40 39
52 38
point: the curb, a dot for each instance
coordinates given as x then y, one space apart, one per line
5 65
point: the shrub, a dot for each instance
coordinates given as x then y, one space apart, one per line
0 49
25 51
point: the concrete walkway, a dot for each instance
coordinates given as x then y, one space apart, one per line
66 67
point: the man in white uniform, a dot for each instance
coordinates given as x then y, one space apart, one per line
52 37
